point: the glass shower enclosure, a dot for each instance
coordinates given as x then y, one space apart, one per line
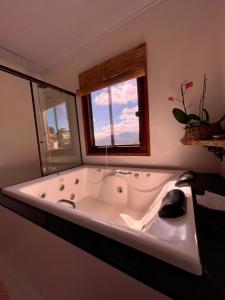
57 126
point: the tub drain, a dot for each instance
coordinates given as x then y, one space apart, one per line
119 189
42 195
61 187
72 196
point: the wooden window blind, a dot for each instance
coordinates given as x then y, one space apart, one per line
125 66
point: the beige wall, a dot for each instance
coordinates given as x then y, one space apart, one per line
19 160
182 43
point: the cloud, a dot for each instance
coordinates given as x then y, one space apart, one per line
122 93
128 114
129 123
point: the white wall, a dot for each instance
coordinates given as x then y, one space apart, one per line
19 159
182 43
18 63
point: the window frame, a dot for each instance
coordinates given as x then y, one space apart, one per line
141 150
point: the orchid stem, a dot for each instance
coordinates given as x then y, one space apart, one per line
183 100
202 101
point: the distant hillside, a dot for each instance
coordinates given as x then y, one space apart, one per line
125 138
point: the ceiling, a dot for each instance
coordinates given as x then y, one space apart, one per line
39 33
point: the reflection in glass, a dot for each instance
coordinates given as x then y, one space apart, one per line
57 129
59 136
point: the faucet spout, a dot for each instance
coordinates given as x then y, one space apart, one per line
123 172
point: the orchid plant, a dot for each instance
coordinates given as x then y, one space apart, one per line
182 115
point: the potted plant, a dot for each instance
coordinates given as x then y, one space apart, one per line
197 127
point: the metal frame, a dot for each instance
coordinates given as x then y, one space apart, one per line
41 82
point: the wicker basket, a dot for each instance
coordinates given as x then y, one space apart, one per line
203 132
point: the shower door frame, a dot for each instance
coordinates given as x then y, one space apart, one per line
49 85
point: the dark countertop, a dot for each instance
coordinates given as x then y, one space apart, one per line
172 281
211 230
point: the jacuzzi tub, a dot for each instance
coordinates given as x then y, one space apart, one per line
122 204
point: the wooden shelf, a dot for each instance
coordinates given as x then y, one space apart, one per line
215 146
205 143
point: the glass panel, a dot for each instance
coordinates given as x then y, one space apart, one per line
57 128
115 115
124 110
101 121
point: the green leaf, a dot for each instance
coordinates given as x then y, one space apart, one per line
221 119
180 116
206 115
204 122
193 117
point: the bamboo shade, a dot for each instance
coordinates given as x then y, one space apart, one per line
125 66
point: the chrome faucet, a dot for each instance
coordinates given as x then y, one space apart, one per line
123 172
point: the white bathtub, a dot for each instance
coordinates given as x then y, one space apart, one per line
121 204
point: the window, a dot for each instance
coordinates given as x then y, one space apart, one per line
116 114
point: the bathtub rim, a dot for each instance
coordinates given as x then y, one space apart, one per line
128 236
